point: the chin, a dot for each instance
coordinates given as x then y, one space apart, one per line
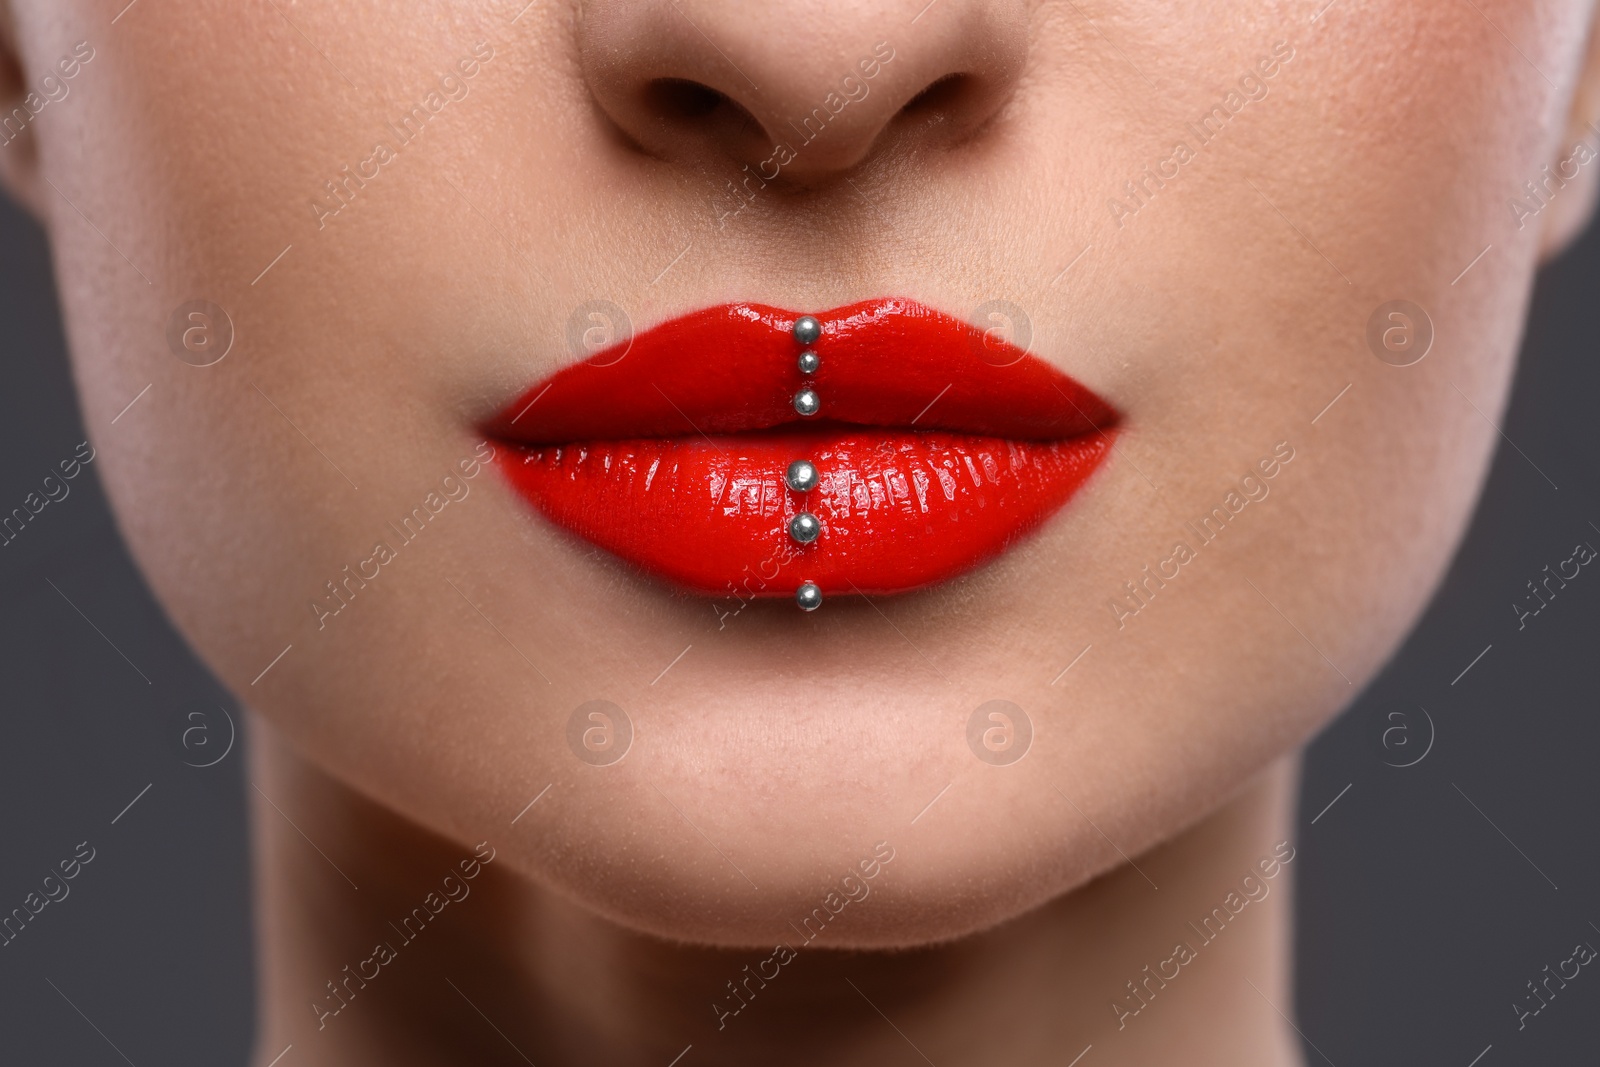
824 838
915 899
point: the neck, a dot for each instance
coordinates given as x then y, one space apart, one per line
509 973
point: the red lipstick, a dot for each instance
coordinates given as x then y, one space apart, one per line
932 447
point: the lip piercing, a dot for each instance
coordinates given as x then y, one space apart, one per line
802 473
807 329
801 476
804 528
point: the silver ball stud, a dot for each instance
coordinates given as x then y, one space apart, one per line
807 402
808 596
807 329
801 476
804 528
809 362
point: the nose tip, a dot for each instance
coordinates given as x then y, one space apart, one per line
802 90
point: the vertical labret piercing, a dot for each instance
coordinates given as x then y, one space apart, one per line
804 528
802 473
807 329
801 476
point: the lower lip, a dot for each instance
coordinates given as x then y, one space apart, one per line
899 510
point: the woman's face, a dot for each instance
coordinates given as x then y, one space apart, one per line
1204 214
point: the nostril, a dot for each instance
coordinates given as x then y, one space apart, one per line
942 98
683 103
678 98
707 83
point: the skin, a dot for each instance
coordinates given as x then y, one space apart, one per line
1220 317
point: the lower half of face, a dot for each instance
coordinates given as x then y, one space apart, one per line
1253 236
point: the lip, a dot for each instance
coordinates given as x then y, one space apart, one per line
938 447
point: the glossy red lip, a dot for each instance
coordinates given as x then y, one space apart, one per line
937 446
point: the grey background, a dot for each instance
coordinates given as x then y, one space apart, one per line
1428 895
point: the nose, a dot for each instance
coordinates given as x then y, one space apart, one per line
802 88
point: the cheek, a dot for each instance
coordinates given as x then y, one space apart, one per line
1350 186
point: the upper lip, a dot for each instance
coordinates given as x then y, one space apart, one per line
731 369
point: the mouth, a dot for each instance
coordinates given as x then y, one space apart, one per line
749 451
